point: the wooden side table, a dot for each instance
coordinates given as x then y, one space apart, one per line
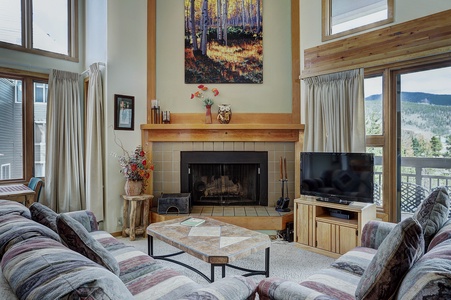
130 218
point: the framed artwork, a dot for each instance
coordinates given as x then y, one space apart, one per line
223 41
124 112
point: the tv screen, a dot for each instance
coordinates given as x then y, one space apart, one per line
344 176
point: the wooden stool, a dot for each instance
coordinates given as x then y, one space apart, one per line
133 229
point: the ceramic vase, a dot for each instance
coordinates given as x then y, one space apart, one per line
224 113
133 188
207 114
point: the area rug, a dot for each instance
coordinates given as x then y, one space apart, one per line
286 261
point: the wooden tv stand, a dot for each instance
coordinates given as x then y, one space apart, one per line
315 230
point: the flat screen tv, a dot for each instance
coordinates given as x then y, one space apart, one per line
338 177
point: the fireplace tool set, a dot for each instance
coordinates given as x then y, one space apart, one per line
284 200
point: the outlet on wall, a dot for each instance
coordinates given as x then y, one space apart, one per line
119 221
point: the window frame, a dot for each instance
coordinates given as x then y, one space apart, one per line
326 32
27 33
28 80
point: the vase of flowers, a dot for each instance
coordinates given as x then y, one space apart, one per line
136 169
208 101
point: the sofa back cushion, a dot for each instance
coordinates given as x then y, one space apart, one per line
12 207
433 213
430 277
442 235
78 239
403 246
16 227
41 268
44 215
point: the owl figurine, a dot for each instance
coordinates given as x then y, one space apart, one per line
224 113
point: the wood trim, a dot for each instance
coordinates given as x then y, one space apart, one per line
151 54
295 63
422 37
220 132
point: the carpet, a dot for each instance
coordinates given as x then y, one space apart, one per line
286 261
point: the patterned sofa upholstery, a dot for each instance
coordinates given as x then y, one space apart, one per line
49 256
408 260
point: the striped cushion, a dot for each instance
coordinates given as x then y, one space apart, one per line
395 256
41 268
442 235
144 277
430 277
334 282
355 261
13 207
15 228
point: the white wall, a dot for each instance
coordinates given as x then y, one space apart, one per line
126 74
274 95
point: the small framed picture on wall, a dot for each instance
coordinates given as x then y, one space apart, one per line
124 112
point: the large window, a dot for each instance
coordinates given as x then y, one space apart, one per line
344 17
408 129
23 108
47 27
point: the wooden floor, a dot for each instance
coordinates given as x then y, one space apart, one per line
250 217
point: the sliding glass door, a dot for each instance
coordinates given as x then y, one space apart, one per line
423 134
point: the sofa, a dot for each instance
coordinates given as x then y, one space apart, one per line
408 260
45 255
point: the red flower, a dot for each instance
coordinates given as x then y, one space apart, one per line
133 167
151 167
141 153
192 96
144 162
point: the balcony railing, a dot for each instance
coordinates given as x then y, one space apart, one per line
421 174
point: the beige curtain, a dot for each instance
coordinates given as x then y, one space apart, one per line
64 170
94 143
335 113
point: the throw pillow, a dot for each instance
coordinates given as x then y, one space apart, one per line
44 215
78 239
433 213
402 247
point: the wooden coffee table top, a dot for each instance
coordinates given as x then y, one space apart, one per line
214 241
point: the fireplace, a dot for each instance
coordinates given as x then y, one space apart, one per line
225 177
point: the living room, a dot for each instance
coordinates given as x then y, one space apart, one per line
124 46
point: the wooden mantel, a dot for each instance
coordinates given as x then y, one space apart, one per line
222 132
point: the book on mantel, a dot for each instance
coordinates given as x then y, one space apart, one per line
192 222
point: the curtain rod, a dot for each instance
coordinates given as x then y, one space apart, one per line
87 70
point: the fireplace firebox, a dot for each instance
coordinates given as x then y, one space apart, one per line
225 177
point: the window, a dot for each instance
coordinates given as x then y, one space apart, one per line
46 27
344 17
5 172
23 108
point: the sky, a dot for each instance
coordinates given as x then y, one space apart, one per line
437 81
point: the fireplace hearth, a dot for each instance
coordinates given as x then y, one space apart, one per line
225 177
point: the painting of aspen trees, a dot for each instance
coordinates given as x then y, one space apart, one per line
223 41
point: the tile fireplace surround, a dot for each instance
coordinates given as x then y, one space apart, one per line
166 158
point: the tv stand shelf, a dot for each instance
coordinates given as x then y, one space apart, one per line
316 230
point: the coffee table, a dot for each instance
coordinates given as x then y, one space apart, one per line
215 242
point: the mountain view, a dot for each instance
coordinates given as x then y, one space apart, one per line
425 122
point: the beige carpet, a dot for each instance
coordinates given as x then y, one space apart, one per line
286 261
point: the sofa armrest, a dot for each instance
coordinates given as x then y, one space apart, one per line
374 232
86 218
276 288
227 288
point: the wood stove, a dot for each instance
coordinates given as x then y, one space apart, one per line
225 177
